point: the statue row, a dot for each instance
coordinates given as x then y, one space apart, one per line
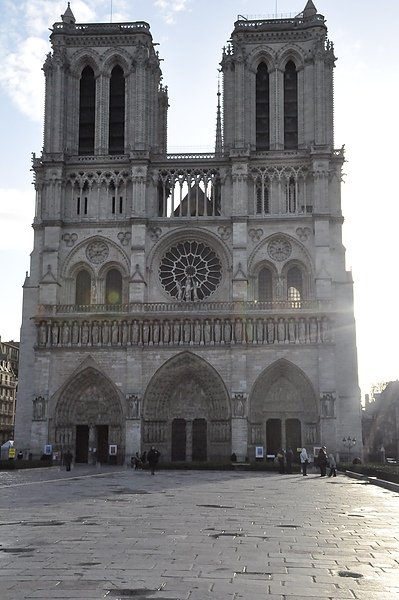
184 331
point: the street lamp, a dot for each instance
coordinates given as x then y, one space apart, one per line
349 443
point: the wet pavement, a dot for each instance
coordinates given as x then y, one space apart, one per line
195 535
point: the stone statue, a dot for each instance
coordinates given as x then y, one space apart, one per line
39 408
155 333
125 332
313 330
195 289
281 331
197 332
227 331
179 290
249 330
135 332
270 331
54 334
176 332
94 333
187 289
42 334
166 332
75 333
146 333
187 331
133 406
217 331
207 332
291 331
238 331
259 331
302 331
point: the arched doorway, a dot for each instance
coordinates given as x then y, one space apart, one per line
283 409
88 417
186 411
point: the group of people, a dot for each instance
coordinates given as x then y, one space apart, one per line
322 460
152 457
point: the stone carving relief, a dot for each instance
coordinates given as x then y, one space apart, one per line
279 249
310 433
154 432
177 332
224 232
39 408
155 233
239 405
69 238
255 234
124 237
97 252
327 404
256 434
133 406
219 431
303 233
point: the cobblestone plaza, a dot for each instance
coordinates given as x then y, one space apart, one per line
195 535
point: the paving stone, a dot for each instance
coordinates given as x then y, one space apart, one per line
95 533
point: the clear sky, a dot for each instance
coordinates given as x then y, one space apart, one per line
191 34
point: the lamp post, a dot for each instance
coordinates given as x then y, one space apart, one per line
349 443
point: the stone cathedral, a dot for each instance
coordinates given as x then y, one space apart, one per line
196 302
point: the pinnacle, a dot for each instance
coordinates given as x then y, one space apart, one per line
68 16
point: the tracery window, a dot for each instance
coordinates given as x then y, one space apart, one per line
290 106
262 192
295 287
190 271
83 288
87 102
189 193
116 139
262 108
291 190
113 287
265 285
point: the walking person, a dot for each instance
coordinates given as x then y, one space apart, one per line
68 460
332 464
322 461
152 458
304 458
280 460
289 455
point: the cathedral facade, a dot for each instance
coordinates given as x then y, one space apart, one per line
195 302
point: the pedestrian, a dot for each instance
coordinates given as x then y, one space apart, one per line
68 460
332 464
280 460
322 461
304 458
137 462
143 458
289 455
153 457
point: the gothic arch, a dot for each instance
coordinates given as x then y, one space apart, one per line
114 57
85 58
88 397
212 397
290 52
262 54
282 388
77 256
260 254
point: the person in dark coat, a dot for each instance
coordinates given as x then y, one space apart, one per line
68 460
322 461
152 458
289 455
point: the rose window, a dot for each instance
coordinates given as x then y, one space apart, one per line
190 271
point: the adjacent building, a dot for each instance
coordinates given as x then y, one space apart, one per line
9 354
196 302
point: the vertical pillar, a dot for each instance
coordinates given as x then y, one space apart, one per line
239 426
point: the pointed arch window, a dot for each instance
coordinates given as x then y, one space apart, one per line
83 288
87 109
295 287
262 191
113 287
290 106
116 139
265 285
291 191
262 108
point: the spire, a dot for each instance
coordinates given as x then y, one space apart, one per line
309 11
68 16
219 140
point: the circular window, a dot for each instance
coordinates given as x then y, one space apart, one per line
190 271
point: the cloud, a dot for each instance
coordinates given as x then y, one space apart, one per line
169 8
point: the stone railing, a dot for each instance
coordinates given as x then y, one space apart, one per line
132 308
186 331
